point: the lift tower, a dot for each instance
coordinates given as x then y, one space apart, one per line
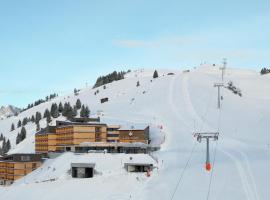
219 85
223 68
207 136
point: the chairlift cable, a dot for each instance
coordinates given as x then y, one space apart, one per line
182 174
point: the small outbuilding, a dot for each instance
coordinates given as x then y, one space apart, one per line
138 167
103 100
82 170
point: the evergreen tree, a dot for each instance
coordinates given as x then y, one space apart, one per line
87 112
12 127
19 124
46 113
1 137
54 110
74 112
60 107
33 118
38 127
155 75
23 134
78 104
75 92
24 122
82 113
18 138
8 146
38 117
48 117
138 84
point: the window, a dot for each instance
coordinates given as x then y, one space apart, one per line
112 135
25 158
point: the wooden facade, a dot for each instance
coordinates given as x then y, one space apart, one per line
16 166
134 135
67 134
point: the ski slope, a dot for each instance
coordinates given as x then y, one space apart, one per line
182 104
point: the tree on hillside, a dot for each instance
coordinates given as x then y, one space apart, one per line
19 124
12 127
54 110
21 136
85 112
46 113
38 117
76 92
265 71
155 75
6 146
78 104
25 121
38 126
48 119
60 107
1 137
138 84
33 119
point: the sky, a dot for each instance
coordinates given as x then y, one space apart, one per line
56 46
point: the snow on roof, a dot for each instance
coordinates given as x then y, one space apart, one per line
133 126
107 144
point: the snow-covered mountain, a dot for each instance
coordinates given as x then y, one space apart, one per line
8 111
181 103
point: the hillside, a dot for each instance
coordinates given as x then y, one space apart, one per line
182 104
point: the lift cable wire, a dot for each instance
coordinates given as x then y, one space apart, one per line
214 160
212 172
210 100
182 174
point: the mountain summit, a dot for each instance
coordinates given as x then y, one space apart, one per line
8 111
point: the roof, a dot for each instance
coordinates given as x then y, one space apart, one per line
22 157
68 123
85 119
49 129
135 164
134 127
113 144
84 165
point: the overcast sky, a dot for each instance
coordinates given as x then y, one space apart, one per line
57 45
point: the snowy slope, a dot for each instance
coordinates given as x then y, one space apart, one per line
182 104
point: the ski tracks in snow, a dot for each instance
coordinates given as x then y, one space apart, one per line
245 173
241 161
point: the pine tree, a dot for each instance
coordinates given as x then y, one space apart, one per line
8 146
12 127
38 117
38 127
24 122
19 124
75 92
60 107
155 75
48 118
87 112
78 104
54 110
18 138
46 113
1 137
82 113
33 118
138 84
23 134
74 112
